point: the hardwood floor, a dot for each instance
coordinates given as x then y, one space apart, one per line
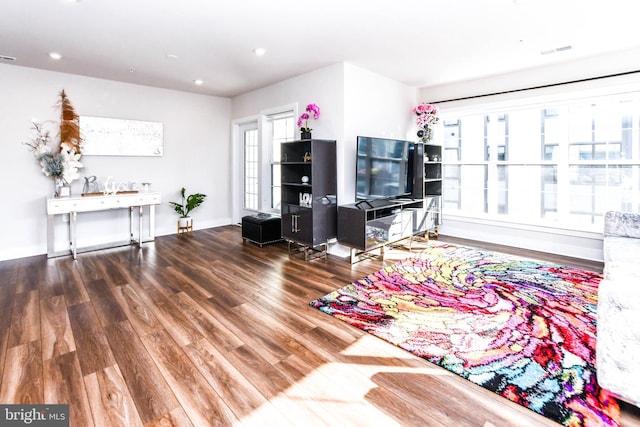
203 329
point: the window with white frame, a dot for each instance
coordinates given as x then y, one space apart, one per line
560 164
281 129
251 168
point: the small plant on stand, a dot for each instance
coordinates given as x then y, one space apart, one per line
189 203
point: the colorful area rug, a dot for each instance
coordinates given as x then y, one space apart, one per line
523 329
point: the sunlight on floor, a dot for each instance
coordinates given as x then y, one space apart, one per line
406 248
344 393
336 393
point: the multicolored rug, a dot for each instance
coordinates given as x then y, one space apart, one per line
523 329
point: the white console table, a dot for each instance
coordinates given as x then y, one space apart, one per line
73 205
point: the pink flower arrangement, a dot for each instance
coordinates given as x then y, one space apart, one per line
312 111
425 120
425 108
427 117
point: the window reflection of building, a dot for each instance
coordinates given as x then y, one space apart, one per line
451 175
564 164
496 139
597 135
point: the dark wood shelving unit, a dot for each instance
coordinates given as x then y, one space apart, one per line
309 201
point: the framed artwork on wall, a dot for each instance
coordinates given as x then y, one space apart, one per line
120 137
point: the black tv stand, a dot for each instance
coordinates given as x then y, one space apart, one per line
370 225
363 204
366 227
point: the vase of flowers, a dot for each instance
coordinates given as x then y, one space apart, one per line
311 112
62 164
427 118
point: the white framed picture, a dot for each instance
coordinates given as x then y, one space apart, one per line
104 136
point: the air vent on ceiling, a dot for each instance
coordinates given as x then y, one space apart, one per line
7 58
557 49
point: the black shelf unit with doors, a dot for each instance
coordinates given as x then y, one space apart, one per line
309 199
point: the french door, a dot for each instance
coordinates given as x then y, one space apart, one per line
250 169
259 152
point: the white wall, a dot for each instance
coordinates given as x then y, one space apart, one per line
596 66
580 245
324 87
353 101
196 154
374 106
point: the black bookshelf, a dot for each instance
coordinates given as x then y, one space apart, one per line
309 201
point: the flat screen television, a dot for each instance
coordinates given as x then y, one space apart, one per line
383 169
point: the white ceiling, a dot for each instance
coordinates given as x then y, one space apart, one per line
416 42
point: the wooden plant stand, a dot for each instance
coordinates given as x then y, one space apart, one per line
186 229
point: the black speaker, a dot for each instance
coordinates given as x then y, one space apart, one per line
416 171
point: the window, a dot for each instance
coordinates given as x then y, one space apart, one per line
451 152
277 126
282 130
259 170
251 168
561 164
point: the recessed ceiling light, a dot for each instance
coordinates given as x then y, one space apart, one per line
172 56
7 58
199 82
55 55
259 51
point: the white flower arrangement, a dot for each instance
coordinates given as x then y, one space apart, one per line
61 164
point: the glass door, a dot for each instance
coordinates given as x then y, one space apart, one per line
250 169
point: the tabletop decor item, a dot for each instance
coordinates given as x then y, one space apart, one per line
427 117
61 160
312 111
90 184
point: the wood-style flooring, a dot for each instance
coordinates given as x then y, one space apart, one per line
203 329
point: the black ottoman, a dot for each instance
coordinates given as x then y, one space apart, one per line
261 228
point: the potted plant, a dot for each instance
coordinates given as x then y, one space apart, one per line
311 112
188 204
427 118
